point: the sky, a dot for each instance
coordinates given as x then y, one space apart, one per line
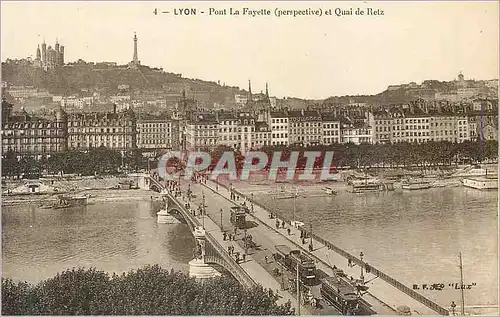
308 57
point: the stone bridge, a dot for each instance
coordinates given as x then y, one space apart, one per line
208 250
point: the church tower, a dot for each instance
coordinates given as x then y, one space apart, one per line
38 54
44 53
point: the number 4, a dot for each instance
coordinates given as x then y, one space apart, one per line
155 12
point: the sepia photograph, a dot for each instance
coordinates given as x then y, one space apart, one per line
249 158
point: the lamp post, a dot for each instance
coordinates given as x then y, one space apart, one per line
311 238
361 266
252 203
245 242
203 210
282 281
462 304
221 227
298 290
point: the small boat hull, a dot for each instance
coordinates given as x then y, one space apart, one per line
481 184
164 217
416 186
329 191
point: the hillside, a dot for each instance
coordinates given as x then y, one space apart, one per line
72 78
75 77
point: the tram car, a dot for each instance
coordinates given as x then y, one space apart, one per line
292 259
341 294
238 217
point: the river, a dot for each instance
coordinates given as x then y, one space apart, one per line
114 237
414 236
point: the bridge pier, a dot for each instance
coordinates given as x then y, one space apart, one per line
197 267
209 256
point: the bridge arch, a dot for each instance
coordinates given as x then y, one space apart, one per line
155 187
214 252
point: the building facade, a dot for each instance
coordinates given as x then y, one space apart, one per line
24 134
330 129
278 122
305 127
114 130
154 133
202 132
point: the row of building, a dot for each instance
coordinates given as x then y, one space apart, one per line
306 127
244 130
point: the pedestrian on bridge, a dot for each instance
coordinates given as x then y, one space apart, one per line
267 259
224 235
244 257
288 230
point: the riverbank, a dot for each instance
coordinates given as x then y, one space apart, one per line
95 196
314 189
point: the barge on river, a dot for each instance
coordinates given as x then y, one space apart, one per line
415 184
367 185
67 202
482 183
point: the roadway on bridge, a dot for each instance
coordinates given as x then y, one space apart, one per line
265 239
259 273
380 294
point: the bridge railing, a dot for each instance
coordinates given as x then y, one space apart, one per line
241 275
398 285
229 263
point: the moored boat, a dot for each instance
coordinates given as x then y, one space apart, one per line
165 217
415 184
67 202
329 191
482 183
367 185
